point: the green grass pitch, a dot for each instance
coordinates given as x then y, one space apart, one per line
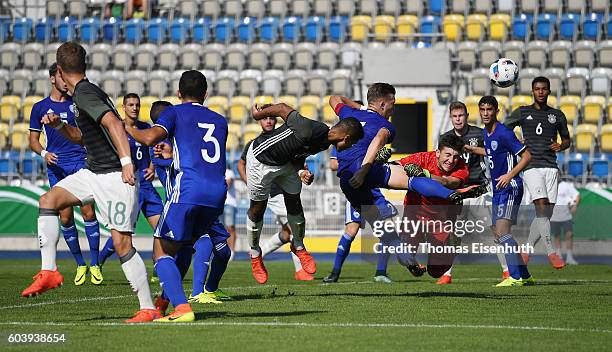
567 310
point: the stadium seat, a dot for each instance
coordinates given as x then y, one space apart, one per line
568 26
172 99
552 101
112 82
481 83
28 102
599 5
31 56
20 82
593 108
360 27
234 128
248 82
406 26
234 56
251 131
43 30
592 26
167 56
226 81
145 108
489 52
246 29
233 8
536 53
560 53
317 82
239 108
384 27
437 7
111 29
458 6
499 25
446 45
41 83
263 100
453 27
314 29
520 100
466 52
350 54
189 55
179 29
482 6
212 56
304 56
224 27
585 137
255 8
475 26
269 29
89 30
295 82
281 56
99 56
134 30
414 7
290 100
145 56
514 51
329 115
22 29
545 26
158 83
340 82
157 30
576 6
391 7
601 81
556 77
218 104
257 56
604 53
211 8
211 77
292 28
10 105
429 25
471 102
576 166
577 78
600 166
606 138
504 107
20 136
77 8
201 30
94 76
309 106
584 53
327 55
521 26
122 56
337 28
524 82
272 82
9 55
570 106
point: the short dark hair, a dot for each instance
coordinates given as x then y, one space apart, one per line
451 141
456 105
379 90
70 57
157 108
540 79
490 100
130 96
193 84
352 127
53 69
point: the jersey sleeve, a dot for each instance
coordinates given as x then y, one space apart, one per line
333 153
93 104
167 121
35 118
392 132
514 119
461 172
514 145
562 126
416 158
343 111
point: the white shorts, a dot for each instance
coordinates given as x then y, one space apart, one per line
478 208
541 183
277 205
260 177
117 202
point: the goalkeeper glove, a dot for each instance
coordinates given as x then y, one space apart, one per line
383 155
414 170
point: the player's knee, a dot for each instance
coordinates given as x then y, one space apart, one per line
88 213
47 201
122 244
66 217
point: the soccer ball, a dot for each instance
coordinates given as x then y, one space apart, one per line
504 73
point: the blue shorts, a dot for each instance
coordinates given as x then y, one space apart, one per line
506 204
377 177
217 233
184 222
59 172
385 208
149 201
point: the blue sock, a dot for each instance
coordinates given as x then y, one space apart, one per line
201 262
381 264
92 230
513 257
71 236
343 250
221 257
107 251
170 280
428 187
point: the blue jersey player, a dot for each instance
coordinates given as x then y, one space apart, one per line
198 135
502 149
64 158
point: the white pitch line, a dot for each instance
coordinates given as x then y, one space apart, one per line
322 325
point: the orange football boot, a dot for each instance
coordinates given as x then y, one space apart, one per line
444 280
302 275
307 261
556 261
505 275
259 270
43 281
145 316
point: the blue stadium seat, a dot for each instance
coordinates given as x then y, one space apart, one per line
521 26
90 29
545 26
429 24
179 30
314 28
600 166
436 7
43 30
292 28
591 26
560 160
421 44
568 26
609 28
31 164
576 164
337 28
224 27
201 29
5 27
157 30
111 29
134 30
8 163
22 29
66 30
268 29
246 29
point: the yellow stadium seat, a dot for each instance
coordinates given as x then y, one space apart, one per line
9 108
329 115
552 101
570 106
251 131
570 129
610 108
173 99
593 108
119 107
3 134
290 100
234 128
21 137
217 104
606 138
145 108
406 25
471 102
28 103
453 27
504 105
263 100
360 28
518 132
309 106
239 108
232 142
520 100
384 26
475 26
498 26
585 137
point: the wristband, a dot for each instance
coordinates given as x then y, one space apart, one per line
126 160
60 126
43 153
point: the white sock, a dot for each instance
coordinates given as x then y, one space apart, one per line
296 262
48 236
272 244
298 229
502 261
253 234
449 272
569 255
136 273
544 227
534 233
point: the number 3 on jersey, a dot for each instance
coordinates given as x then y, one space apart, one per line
208 138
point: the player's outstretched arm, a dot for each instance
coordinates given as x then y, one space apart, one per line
114 126
73 134
283 110
336 100
377 143
149 137
475 150
504 180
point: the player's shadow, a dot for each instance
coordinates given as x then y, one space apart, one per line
471 295
213 315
